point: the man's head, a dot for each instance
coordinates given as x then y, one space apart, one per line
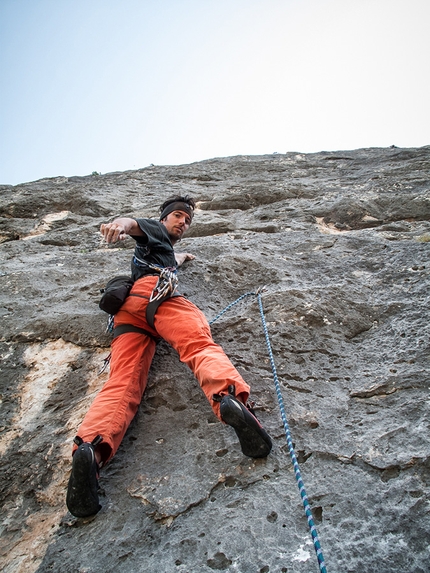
176 215
178 203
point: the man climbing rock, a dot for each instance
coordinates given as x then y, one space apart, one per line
136 330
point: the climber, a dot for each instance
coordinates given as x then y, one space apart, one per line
184 327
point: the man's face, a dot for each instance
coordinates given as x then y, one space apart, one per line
176 223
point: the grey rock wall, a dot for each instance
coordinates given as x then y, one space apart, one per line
342 242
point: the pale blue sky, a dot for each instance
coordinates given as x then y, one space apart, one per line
109 85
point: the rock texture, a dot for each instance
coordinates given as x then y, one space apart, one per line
342 242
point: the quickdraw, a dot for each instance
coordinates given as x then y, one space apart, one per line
167 283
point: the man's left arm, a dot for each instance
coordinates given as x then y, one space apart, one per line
182 257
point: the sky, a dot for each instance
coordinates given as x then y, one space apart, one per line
109 85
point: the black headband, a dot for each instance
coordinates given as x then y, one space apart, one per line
177 206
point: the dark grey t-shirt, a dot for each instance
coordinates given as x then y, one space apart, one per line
154 248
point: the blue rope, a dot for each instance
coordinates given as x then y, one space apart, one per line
231 305
297 473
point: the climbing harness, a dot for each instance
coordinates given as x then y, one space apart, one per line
167 280
165 288
166 285
297 473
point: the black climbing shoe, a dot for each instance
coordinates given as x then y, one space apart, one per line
82 497
254 440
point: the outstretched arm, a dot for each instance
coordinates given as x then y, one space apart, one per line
182 257
119 229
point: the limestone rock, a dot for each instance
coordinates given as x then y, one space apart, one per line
341 241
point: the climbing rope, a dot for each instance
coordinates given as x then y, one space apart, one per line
297 473
253 293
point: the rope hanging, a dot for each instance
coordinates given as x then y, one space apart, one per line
300 484
253 293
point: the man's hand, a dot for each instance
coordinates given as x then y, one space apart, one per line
119 229
112 232
182 257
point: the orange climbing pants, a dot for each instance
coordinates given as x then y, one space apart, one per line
185 328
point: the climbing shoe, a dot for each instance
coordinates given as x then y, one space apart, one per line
82 495
254 440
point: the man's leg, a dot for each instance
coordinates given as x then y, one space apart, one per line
108 418
117 402
185 327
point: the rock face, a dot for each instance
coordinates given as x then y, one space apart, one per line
342 242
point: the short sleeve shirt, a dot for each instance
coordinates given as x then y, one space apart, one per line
155 248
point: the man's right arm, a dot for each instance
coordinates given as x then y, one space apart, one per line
119 229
